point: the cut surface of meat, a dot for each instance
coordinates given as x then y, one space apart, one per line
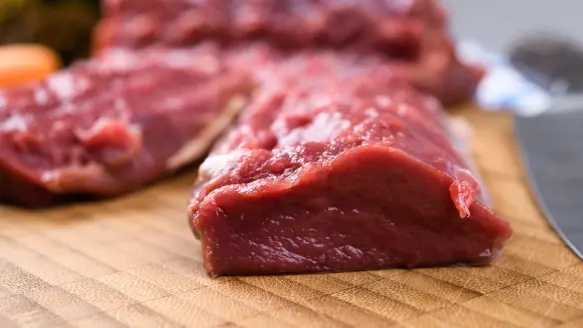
414 32
109 125
355 174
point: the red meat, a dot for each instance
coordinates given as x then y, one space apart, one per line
413 32
397 27
110 125
449 84
341 171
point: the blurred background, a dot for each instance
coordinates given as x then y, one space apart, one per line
496 23
65 25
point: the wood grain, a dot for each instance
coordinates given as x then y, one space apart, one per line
132 262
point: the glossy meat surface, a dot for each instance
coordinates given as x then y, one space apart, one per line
413 32
358 173
112 124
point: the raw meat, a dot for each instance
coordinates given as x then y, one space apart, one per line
450 84
110 125
75 132
412 32
341 171
395 26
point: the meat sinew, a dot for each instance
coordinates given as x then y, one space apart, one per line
353 174
414 32
110 125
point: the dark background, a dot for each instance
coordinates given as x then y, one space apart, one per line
495 23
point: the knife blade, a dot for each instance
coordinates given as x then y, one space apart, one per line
552 150
551 144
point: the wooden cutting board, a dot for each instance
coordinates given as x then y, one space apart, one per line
133 262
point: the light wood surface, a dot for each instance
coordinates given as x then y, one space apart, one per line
133 262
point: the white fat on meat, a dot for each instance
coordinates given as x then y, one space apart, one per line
66 85
15 122
195 147
216 165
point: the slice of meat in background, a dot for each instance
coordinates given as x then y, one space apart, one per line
412 32
110 125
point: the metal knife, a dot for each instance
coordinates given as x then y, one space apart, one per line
551 144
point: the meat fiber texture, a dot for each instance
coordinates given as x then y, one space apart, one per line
110 125
340 171
413 32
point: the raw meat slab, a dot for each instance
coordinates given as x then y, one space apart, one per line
110 125
341 171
